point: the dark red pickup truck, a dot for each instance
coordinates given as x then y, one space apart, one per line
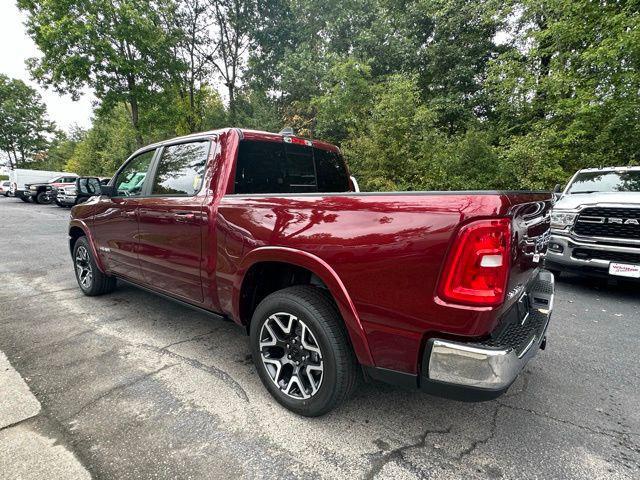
441 291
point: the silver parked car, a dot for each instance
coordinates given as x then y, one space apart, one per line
595 224
5 188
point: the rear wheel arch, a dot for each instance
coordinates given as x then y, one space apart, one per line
269 269
265 278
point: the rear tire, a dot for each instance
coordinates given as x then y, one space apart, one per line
90 279
313 347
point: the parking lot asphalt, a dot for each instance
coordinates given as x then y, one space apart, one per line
138 387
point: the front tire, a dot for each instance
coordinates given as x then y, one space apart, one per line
301 350
44 198
90 279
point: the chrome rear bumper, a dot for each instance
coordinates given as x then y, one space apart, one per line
458 369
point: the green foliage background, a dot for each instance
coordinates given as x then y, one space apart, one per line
419 94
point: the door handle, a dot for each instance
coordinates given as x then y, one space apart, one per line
130 214
185 216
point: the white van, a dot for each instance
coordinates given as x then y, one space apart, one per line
20 177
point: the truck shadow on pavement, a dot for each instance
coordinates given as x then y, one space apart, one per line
145 387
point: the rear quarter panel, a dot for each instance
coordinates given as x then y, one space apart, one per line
387 249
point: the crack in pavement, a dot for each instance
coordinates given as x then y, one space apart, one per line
116 388
483 441
623 438
19 422
398 453
608 433
215 371
4 300
192 339
52 346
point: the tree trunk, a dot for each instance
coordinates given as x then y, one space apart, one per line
134 110
545 68
135 119
12 162
19 162
232 103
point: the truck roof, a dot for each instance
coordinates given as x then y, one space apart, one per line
611 169
245 133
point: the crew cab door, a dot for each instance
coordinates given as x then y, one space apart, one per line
115 224
172 219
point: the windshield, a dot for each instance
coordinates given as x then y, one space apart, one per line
593 182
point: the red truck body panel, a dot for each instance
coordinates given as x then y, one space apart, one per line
379 254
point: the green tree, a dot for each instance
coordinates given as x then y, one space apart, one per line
118 48
24 128
567 94
106 145
61 148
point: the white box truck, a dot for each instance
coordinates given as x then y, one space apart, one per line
21 177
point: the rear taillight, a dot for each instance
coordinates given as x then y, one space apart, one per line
477 267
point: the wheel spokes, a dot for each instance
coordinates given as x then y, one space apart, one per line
275 364
295 381
291 355
312 381
305 343
83 267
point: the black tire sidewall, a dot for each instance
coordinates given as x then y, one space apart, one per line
283 302
41 195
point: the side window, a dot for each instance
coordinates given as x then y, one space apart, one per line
181 169
131 178
258 168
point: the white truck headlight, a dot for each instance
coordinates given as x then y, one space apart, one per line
33 188
562 220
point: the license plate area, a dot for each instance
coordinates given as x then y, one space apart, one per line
624 270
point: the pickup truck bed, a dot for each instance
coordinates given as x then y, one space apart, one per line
436 290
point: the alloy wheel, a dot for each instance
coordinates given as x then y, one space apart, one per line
291 355
83 268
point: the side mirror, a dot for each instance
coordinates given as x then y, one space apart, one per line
108 191
88 186
557 188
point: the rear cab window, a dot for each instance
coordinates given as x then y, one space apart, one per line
273 167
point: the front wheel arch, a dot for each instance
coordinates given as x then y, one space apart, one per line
77 229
